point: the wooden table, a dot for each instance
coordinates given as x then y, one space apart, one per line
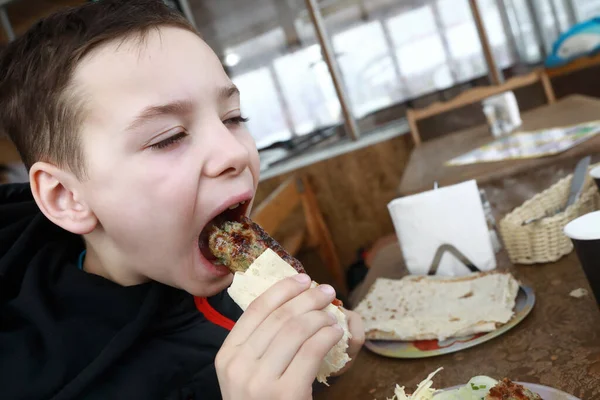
426 163
557 345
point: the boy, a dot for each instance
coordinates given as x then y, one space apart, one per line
134 141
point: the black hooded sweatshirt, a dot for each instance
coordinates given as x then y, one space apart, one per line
67 334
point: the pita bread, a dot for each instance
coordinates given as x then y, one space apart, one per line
428 308
265 271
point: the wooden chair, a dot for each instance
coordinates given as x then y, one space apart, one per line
574 66
476 95
279 205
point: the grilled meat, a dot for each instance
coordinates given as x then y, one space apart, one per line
508 390
236 244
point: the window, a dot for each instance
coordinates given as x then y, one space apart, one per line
419 50
259 101
388 51
463 39
587 9
522 27
308 89
367 67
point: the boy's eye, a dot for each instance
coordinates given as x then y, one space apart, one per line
235 121
169 141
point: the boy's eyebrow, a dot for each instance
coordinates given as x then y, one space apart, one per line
228 92
178 107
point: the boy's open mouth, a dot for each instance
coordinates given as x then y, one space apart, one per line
233 213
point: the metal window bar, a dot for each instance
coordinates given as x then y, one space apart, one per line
515 50
572 11
441 32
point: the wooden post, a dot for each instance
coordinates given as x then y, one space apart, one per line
496 77
336 76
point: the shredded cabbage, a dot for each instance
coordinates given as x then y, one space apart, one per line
423 392
476 389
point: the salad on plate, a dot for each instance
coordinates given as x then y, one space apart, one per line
478 388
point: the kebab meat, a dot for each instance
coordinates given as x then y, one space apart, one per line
257 262
238 243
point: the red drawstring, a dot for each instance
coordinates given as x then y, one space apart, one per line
213 315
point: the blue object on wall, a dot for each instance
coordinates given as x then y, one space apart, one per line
582 39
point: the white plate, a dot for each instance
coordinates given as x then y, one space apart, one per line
428 348
545 392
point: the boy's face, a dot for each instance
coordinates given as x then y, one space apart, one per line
165 152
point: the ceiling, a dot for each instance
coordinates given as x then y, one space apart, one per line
227 23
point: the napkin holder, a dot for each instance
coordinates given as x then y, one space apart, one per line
448 248
444 230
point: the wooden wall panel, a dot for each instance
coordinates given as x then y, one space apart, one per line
353 190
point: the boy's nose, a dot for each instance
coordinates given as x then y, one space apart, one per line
227 156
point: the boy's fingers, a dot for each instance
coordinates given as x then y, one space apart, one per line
264 305
357 329
290 339
310 300
305 365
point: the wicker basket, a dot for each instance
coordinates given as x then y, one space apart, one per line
544 241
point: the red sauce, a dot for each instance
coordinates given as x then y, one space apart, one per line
426 345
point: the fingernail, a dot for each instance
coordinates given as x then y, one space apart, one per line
327 289
302 278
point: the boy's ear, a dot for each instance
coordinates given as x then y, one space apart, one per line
58 195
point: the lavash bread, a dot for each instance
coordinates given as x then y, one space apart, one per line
265 271
436 307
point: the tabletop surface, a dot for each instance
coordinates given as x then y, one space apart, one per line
557 345
426 163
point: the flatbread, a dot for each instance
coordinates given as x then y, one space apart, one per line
265 271
427 308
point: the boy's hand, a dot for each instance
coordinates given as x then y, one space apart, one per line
357 329
277 346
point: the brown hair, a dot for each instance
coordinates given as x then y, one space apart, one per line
39 110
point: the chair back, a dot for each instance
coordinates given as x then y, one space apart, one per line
476 95
279 205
